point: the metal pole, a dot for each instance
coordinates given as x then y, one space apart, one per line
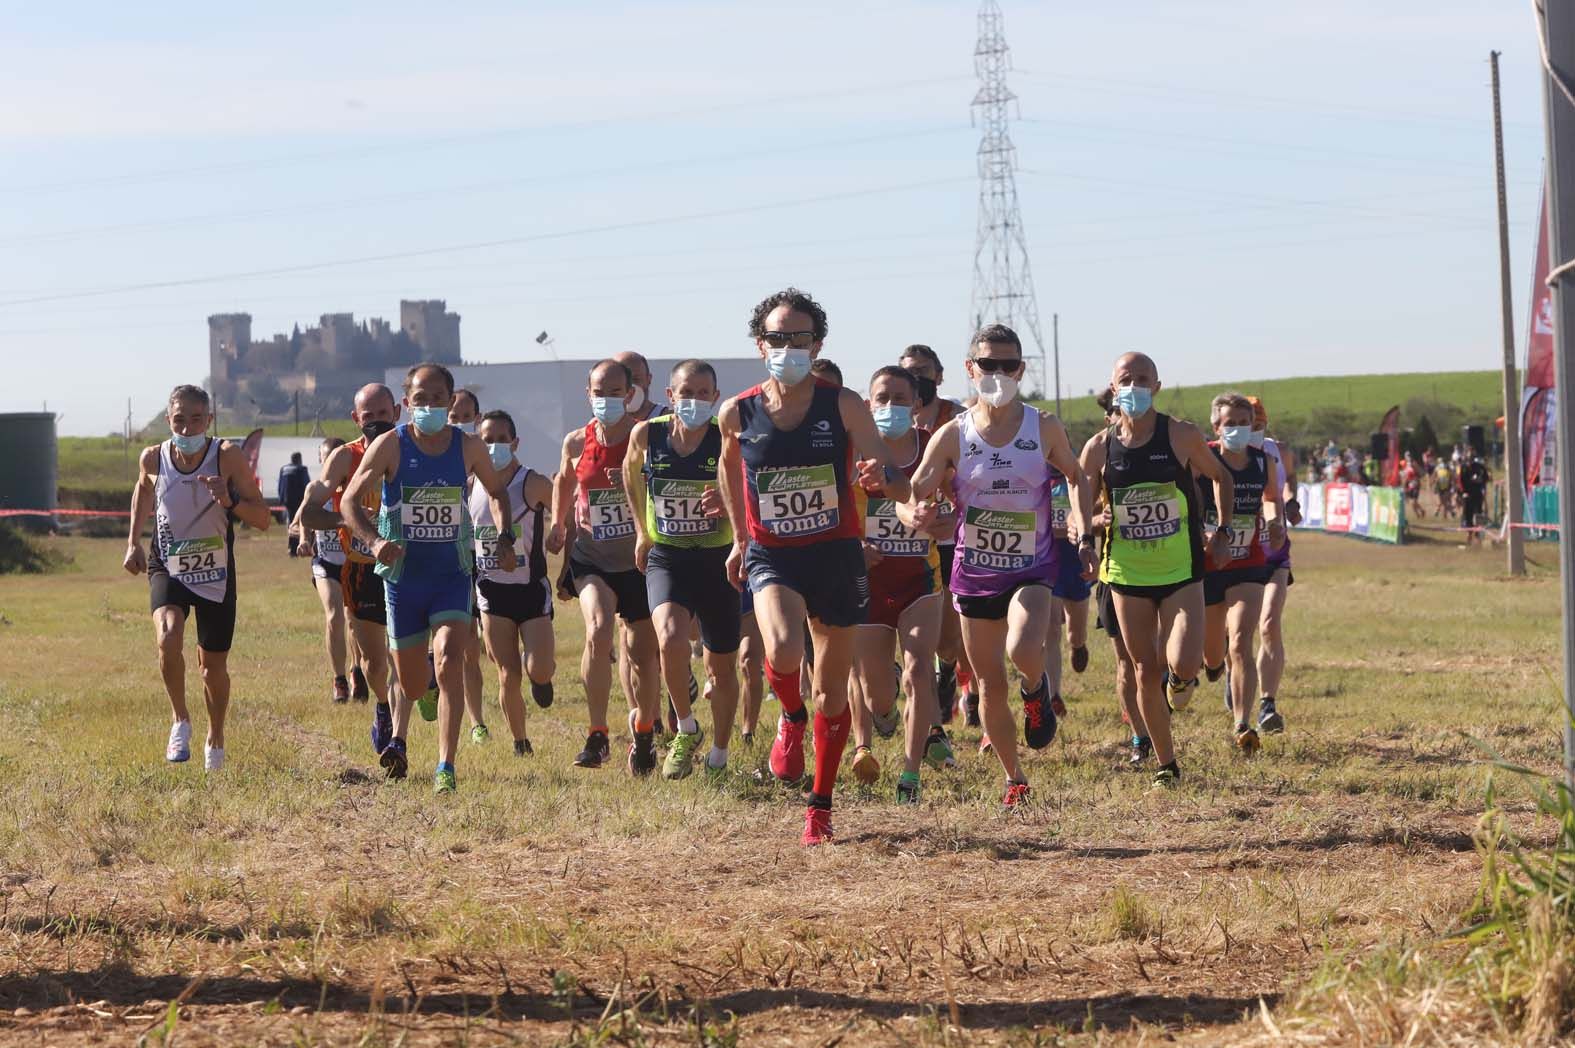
1055 340
1514 468
1557 27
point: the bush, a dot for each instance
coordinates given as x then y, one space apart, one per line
21 555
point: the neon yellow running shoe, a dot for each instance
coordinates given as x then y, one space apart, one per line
443 781
426 705
681 755
479 734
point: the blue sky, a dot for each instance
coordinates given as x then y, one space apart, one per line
1241 190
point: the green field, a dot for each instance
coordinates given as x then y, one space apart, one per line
297 899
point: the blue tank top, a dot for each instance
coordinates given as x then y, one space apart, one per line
798 481
424 509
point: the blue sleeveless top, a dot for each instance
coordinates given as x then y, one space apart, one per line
424 509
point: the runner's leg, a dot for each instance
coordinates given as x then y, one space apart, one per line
215 667
1181 625
1053 650
645 663
1215 638
1140 632
751 671
473 699
1244 604
833 663
448 650
1271 642
541 660
1029 607
328 593
673 625
872 687
503 643
984 640
918 632
599 608
722 668
169 633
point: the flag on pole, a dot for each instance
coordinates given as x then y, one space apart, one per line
1390 428
1537 391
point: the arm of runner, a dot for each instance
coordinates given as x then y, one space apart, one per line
729 480
377 465
1196 456
1091 460
479 465
940 457
878 469
537 491
136 560
1058 452
563 493
235 489
312 514
1272 498
634 491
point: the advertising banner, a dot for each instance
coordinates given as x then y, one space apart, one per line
1359 509
1337 507
1353 509
1384 520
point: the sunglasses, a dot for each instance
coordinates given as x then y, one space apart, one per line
989 365
784 339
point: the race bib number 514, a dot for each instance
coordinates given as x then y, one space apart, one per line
676 506
799 500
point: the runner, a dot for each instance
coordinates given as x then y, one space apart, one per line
930 413
788 449
1153 557
1000 453
600 571
1233 585
422 542
1271 635
1473 480
465 416
328 561
1069 596
684 537
375 412
905 602
515 605
195 487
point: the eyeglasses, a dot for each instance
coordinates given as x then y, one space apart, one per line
784 339
992 364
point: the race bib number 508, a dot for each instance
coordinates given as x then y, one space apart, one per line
431 514
798 500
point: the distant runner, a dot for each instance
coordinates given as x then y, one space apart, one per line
328 562
1271 634
465 415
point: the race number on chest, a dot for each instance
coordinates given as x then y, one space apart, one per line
432 514
798 500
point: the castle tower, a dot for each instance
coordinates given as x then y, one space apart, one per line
431 326
229 337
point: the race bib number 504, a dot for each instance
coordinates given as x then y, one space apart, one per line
798 500
431 514
1148 512
999 539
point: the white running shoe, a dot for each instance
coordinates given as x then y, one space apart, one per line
179 748
212 758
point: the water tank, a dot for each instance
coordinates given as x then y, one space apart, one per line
28 465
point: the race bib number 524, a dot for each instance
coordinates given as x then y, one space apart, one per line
194 562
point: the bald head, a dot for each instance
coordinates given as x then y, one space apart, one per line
372 395
610 378
1133 364
639 367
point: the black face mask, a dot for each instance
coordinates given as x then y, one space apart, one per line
373 430
926 389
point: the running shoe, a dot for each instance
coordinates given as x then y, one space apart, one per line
1247 740
341 690
542 693
886 724
1167 777
358 689
178 750
908 788
787 752
817 826
523 748
1214 673
971 708
1270 722
1142 748
443 781
1039 720
212 758
1058 705
747 738
1016 796
1080 659
984 745
393 759
1178 692
681 755
427 705
382 727
479 734
946 689
938 749
596 751
866 769
642 754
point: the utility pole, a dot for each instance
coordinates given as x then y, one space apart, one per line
1003 284
1514 466
1055 341
1556 27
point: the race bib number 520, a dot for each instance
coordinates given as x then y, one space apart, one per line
799 500
431 514
1148 512
998 539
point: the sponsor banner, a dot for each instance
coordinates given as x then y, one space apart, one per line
1385 515
1311 498
1353 509
1337 507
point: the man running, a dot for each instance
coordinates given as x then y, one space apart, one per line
195 487
599 570
787 477
1153 556
1000 453
1271 634
1069 597
515 605
328 561
374 412
670 473
465 415
905 601
422 543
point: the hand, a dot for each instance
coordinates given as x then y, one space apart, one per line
1276 535
387 552
642 550
924 514
1218 546
1101 520
944 526
1090 563
872 475
1293 513
566 584
555 537
136 560
711 504
872 556
735 566
219 489
508 560
308 546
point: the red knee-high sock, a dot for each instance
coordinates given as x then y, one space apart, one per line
785 687
831 736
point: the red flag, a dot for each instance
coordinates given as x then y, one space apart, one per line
252 446
1534 433
1539 337
1390 427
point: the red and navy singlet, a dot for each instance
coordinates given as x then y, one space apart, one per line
798 481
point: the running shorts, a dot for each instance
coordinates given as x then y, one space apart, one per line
416 606
363 592
321 569
1105 611
1157 594
628 588
518 602
948 551
215 619
828 575
1069 583
1215 583
994 606
890 597
695 579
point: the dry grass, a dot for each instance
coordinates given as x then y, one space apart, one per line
299 900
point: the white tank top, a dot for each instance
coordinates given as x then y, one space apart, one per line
525 538
192 540
1003 510
328 549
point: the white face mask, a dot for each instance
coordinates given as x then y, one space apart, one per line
996 390
637 401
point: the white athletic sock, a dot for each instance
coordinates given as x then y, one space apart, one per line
688 725
717 758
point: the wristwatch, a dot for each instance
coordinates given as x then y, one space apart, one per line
507 536
1086 542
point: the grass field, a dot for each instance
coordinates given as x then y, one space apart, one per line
296 899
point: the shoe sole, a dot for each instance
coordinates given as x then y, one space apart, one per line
866 772
422 707
1273 725
395 763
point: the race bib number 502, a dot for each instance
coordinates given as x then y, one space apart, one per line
999 539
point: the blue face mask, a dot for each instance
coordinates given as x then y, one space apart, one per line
499 454
788 366
1235 438
429 421
694 413
1134 400
466 427
607 410
893 420
1256 440
188 445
